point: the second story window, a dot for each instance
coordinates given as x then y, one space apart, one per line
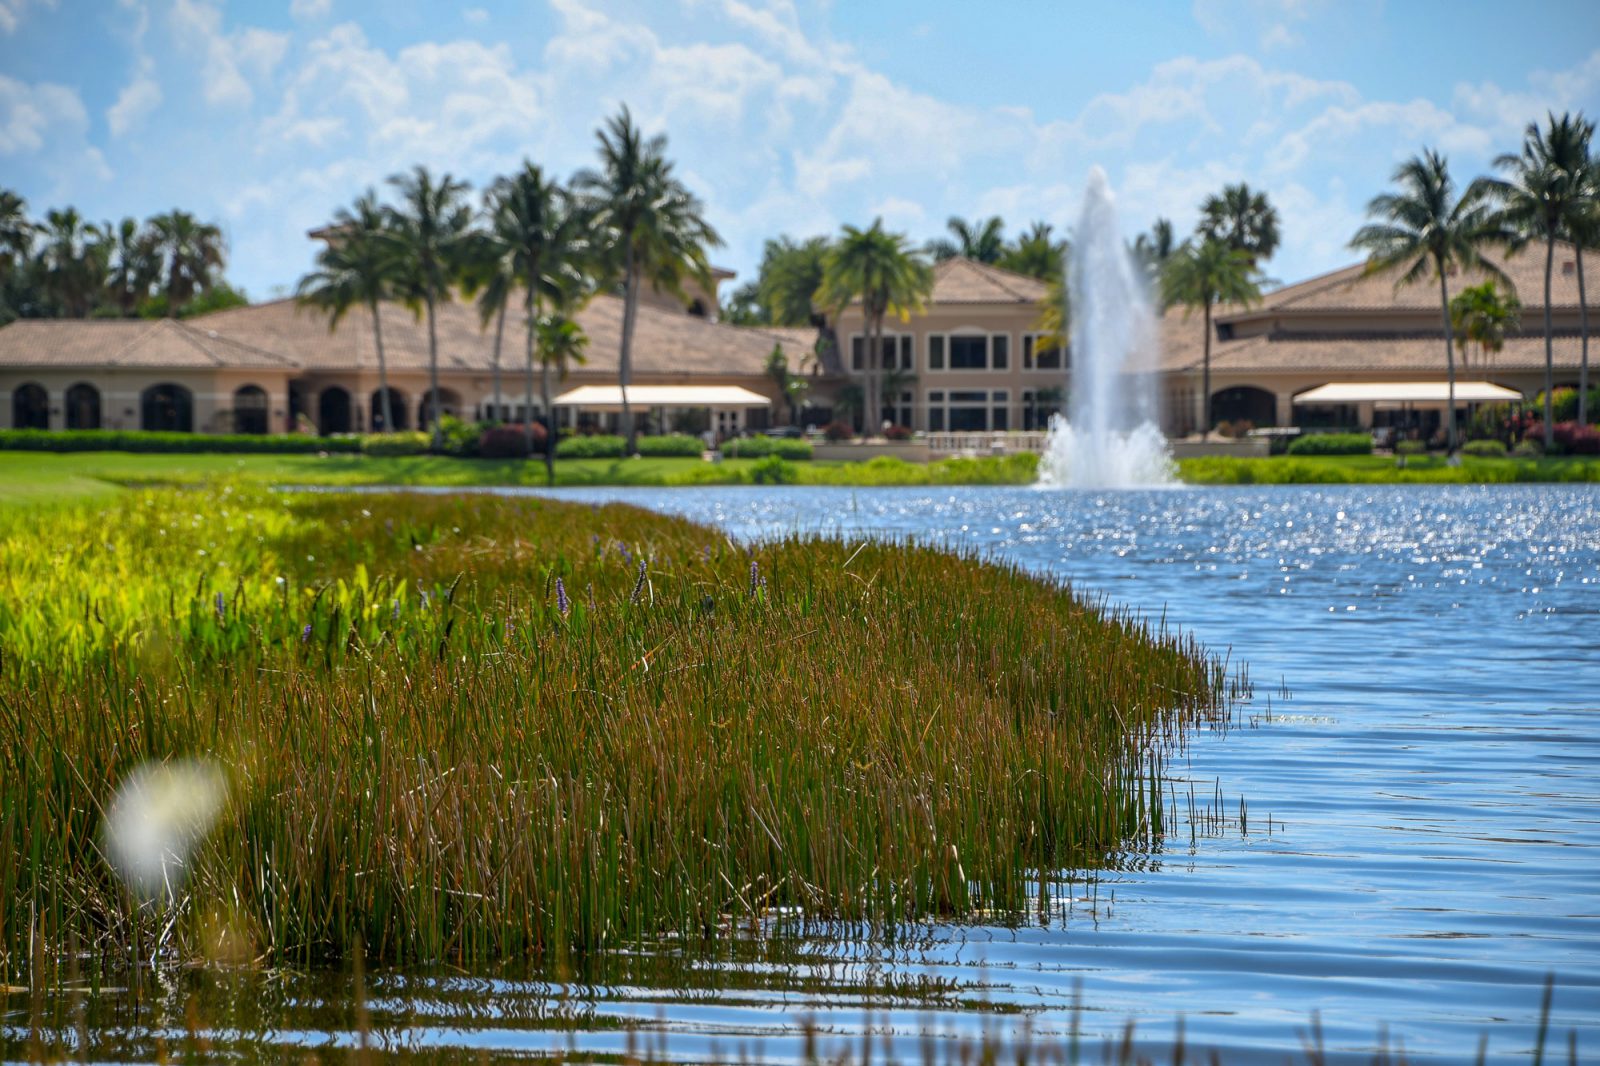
897 352
1040 353
969 351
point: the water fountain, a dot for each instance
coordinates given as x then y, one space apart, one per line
1110 437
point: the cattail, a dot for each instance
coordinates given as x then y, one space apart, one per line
562 604
755 576
638 584
222 608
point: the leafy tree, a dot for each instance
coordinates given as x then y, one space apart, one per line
880 270
654 227
792 387
1542 197
133 264
791 277
1201 275
562 343
1241 219
192 254
71 261
1424 228
359 266
1153 249
1036 253
433 239
1583 229
16 232
983 240
1479 314
743 306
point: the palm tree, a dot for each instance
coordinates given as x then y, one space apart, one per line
1542 198
192 253
983 240
1201 275
491 276
73 261
1480 314
880 270
360 265
433 238
133 265
1424 227
16 231
1153 249
545 234
655 228
562 342
791 274
1583 227
1241 219
1036 253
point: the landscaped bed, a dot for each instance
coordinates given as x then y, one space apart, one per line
465 728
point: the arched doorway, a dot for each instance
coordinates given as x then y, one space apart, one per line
83 406
333 410
449 404
30 407
1244 403
250 409
167 407
397 404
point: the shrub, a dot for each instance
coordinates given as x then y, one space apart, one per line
897 433
599 446
1564 404
774 471
760 447
1331 444
510 441
1484 449
391 444
1577 440
459 438
1527 448
1410 447
672 445
837 431
117 440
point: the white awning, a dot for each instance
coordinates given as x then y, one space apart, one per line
1408 392
609 397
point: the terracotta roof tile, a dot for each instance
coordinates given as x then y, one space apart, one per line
100 343
966 281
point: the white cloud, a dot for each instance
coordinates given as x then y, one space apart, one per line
475 16
30 115
138 98
309 10
232 61
12 11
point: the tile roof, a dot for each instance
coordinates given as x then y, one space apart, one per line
965 281
106 343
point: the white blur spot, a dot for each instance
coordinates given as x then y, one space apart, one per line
159 814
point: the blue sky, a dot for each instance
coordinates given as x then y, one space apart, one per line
784 115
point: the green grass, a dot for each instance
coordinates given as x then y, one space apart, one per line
428 752
1382 469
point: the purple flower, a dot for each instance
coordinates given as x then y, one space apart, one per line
222 608
755 576
305 634
562 603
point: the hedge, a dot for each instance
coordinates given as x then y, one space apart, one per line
763 446
116 440
391 444
1484 449
600 446
674 445
1332 444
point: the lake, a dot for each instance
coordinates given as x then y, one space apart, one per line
1401 829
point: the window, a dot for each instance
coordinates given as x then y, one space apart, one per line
1040 354
1038 405
968 411
969 351
897 347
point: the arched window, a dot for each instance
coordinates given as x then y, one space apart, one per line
449 404
30 407
83 406
250 409
167 407
333 410
397 405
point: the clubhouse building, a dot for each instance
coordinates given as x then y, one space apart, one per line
973 360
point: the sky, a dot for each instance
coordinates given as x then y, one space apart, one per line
784 116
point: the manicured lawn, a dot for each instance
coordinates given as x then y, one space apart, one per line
1382 469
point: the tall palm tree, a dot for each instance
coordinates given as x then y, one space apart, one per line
1243 220
360 265
1541 198
1036 253
1152 250
881 270
983 240
654 226
133 263
791 273
1201 275
192 253
16 231
1583 227
433 238
562 342
1424 228
491 277
549 252
72 257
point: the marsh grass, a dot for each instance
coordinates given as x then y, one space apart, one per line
457 729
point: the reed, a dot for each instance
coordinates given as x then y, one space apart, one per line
466 728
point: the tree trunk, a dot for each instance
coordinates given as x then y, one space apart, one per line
1583 335
527 379
1549 344
1205 381
433 380
1449 358
550 425
875 364
630 303
499 335
384 403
